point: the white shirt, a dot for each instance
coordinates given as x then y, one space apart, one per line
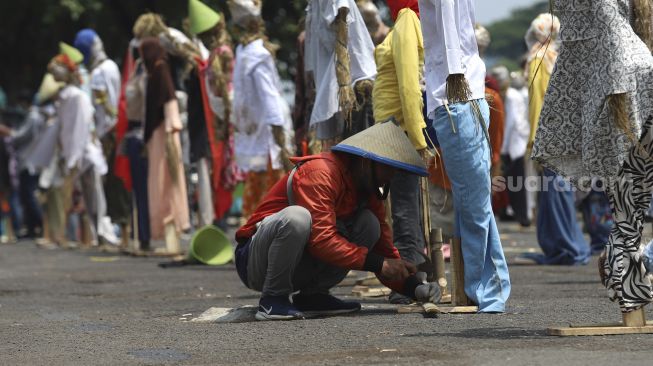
517 126
257 106
75 115
40 149
320 53
450 48
105 77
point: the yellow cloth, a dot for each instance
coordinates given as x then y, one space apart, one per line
538 80
399 63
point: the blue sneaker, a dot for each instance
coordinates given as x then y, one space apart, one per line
277 308
323 304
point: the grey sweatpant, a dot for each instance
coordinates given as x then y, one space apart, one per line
278 262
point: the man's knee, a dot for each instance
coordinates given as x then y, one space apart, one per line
296 223
368 229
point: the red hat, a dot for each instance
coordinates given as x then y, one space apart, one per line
396 5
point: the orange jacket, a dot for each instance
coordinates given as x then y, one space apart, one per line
325 188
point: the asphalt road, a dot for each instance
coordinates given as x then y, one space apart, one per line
88 308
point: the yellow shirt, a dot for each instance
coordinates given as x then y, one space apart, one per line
399 64
538 81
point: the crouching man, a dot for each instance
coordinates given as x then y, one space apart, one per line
327 217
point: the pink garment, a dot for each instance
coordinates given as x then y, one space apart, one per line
168 201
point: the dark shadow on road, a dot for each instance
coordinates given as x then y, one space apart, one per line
597 281
488 333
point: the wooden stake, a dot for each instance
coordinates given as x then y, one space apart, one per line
438 261
172 239
458 269
135 244
633 323
124 236
426 215
635 318
85 235
432 308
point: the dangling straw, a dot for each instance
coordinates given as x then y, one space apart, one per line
346 96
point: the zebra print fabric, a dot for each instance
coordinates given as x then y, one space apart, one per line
630 197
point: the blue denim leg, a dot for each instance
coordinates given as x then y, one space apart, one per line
466 156
138 169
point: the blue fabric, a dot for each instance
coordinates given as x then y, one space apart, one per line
647 257
84 43
242 256
558 232
466 156
138 169
33 216
597 215
380 159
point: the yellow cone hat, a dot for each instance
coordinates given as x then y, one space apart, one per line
49 87
72 52
201 17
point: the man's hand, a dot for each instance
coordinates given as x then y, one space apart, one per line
426 155
397 269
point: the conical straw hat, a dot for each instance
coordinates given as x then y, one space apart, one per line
385 143
49 87
72 52
201 17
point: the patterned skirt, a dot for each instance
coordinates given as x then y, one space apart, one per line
257 185
624 273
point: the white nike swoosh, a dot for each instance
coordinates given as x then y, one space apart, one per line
267 311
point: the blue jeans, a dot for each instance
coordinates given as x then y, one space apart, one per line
466 155
558 232
32 214
138 170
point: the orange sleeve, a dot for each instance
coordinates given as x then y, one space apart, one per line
497 125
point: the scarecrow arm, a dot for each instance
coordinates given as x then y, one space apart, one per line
457 86
454 52
346 96
405 43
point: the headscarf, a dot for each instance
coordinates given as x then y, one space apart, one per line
160 88
501 74
90 45
541 40
483 38
396 6
242 11
64 68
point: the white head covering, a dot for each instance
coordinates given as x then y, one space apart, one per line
541 40
502 75
483 38
243 10
545 26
